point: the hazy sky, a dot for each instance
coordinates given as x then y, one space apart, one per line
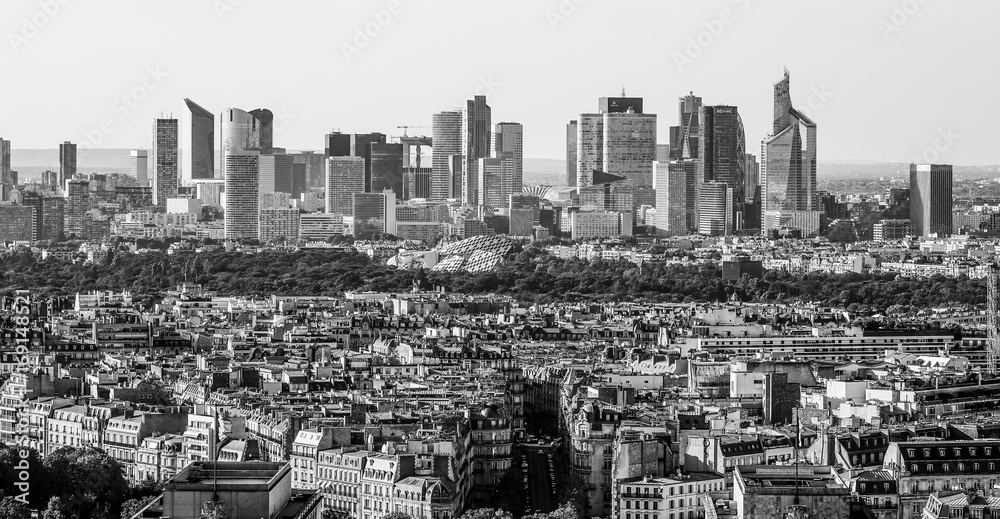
883 84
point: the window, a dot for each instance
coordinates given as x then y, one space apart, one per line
930 467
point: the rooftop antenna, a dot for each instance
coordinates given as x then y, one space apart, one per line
623 91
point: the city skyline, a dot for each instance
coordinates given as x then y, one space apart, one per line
834 82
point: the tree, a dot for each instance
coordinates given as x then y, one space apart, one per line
330 513
56 509
487 513
397 515
130 507
11 508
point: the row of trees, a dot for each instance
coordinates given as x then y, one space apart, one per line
531 275
83 483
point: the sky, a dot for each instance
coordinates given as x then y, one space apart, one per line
885 80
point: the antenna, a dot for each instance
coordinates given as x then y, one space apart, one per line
623 91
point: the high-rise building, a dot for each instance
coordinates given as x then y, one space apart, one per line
138 164
608 193
374 214
243 131
345 176
417 172
508 144
722 150
447 139
751 186
477 128
53 218
491 179
242 185
620 142
275 173
5 176
670 183
77 205
387 168
277 223
165 178
571 132
931 199
683 137
716 215
315 168
788 159
17 223
200 158
355 145
67 162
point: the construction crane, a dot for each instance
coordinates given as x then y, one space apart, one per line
407 127
992 299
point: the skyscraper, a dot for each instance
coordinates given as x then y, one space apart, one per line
200 158
139 166
683 137
447 139
76 207
165 178
67 162
931 199
387 168
275 173
620 142
788 159
355 145
508 143
571 153
243 131
242 211
751 186
722 150
477 128
5 175
491 190
670 182
374 214
345 176
716 215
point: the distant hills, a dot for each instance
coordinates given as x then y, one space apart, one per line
30 163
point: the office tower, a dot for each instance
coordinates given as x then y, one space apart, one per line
571 132
683 137
508 145
722 154
242 207
455 165
315 167
417 173
619 105
620 142
277 223
200 158
53 218
77 205
243 131
374 214
50 178
345 176
165 179
608 193
931 199
589 147
5 177
354 145
670 183
209 191
477 130
751 186
491 190
275 173
300 176
716 209
17 223
447 139
787 160
387 168
138 166
37 202
67 162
